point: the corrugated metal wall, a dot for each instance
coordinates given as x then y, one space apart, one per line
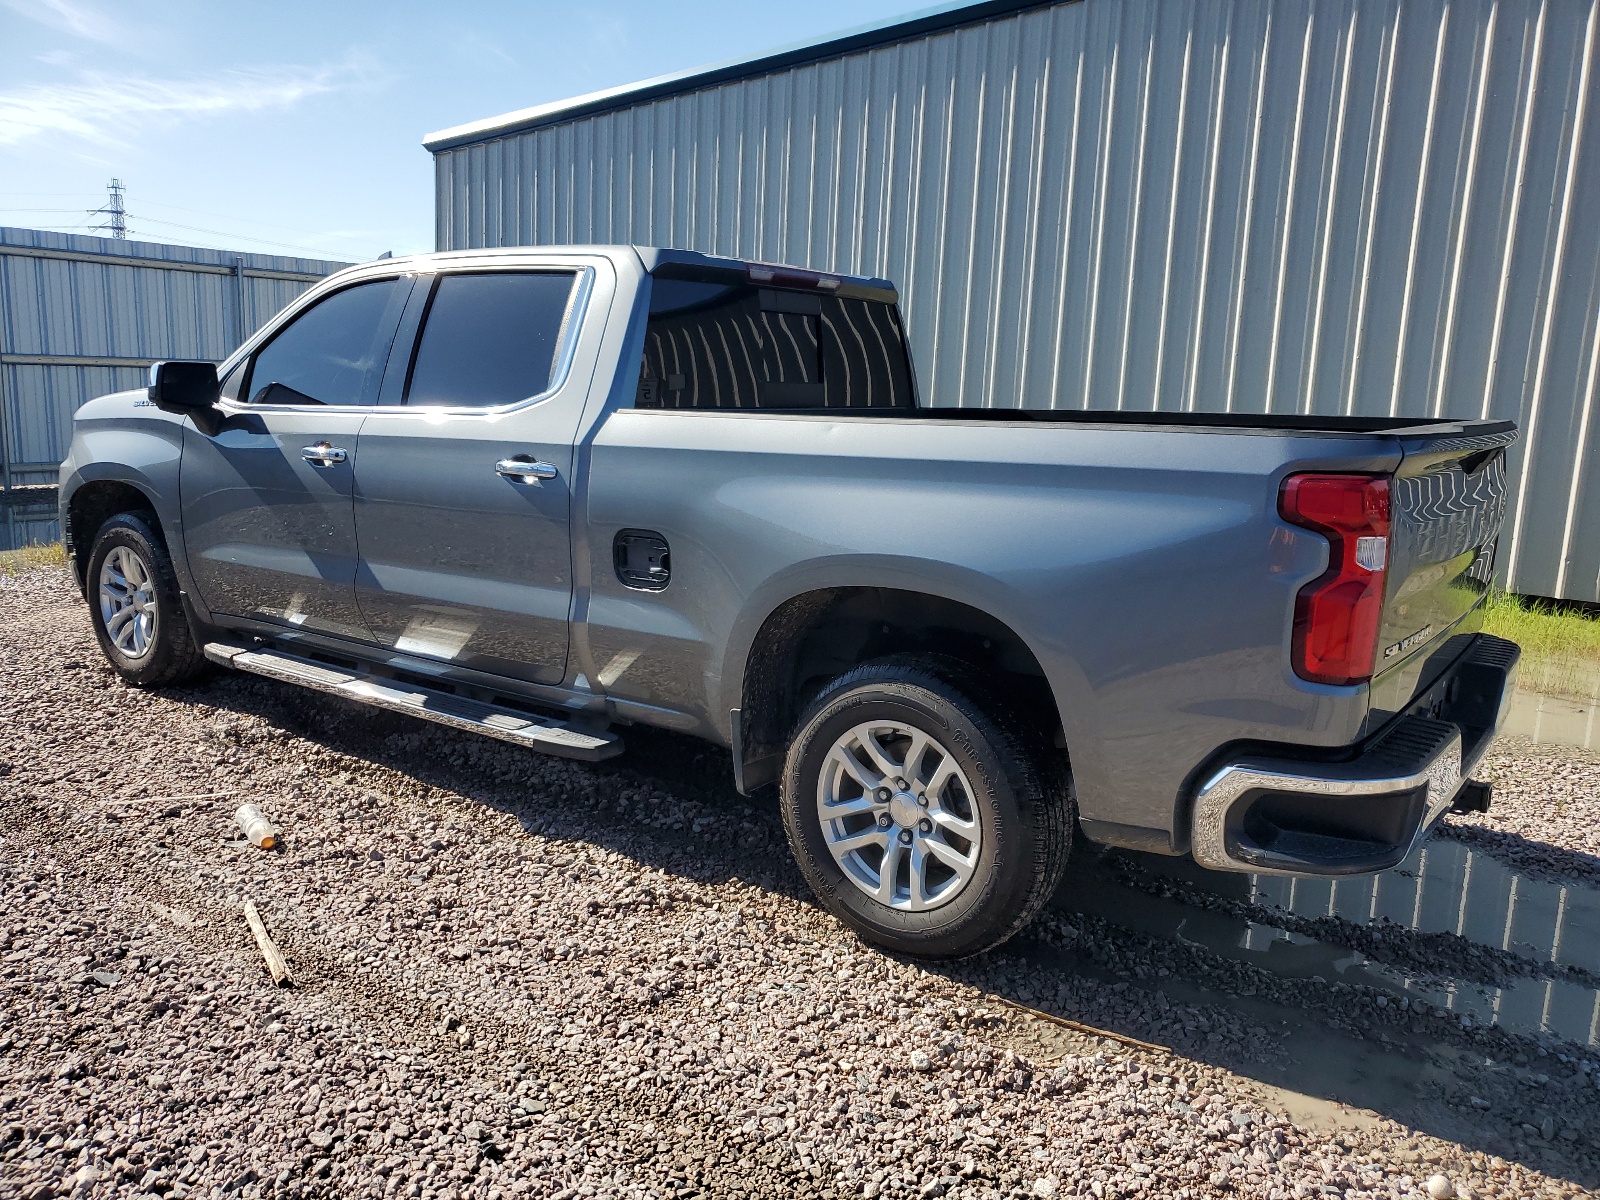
82 316
1352 206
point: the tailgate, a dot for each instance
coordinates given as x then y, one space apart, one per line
1446 505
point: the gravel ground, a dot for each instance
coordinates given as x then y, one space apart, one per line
517 976
1546 811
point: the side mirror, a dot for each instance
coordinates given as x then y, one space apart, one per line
184 387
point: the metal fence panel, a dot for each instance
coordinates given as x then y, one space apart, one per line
82 316
42 399
1207 205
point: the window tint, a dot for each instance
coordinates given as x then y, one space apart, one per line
490 339
232 381
334 353
732 345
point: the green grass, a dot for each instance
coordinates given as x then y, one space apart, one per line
1560 645
32 558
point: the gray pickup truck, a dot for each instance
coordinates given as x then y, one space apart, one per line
545 494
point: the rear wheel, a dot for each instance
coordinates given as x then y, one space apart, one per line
136 608
922 812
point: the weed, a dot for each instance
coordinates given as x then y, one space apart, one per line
1560 643
32 558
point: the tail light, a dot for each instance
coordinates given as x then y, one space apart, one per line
1336 616
791 277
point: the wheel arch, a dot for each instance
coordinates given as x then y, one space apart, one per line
91 505
813 636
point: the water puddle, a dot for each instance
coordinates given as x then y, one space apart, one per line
1555 720
1537 927
1447 887
1542 936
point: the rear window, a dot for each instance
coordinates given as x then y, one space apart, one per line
715 344
490 339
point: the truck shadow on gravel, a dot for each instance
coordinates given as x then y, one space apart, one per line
1458 995
1535 858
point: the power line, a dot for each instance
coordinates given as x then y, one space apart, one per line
162 205
79 228
118 224
240 236
119 218
224 216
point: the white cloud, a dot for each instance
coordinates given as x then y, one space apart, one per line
77 19
109 108
474 46
605 33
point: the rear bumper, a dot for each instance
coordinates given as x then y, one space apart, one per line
1283 815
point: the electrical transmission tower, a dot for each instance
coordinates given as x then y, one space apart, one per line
118 222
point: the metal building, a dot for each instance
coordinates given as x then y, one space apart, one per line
1348 206
82 316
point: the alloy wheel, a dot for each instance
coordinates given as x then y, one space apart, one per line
128 602
897 815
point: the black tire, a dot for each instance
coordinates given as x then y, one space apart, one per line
1021 799
169 652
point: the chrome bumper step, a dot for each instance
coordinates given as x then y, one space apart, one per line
1273 815
548 735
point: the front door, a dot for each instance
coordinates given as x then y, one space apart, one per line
268 494
462 491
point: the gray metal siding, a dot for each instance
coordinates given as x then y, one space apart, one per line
82 316
1249 205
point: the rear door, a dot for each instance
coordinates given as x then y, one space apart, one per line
269 526
1447 502
463 489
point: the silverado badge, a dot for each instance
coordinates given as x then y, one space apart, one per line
1407 643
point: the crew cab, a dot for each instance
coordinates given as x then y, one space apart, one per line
545 494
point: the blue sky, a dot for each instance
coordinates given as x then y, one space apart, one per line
295 127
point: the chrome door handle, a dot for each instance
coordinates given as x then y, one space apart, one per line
323 455
525 470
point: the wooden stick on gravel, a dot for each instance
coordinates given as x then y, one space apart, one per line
1080 1027
196 796
269 950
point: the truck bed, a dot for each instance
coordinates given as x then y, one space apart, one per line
1272 423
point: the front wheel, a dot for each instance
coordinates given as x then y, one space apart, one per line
921 812
136 608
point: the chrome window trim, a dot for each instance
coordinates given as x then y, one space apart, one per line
574 323
265 335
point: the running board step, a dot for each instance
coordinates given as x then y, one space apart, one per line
548 735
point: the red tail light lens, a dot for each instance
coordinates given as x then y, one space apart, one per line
1336 616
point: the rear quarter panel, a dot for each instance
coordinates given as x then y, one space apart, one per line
1147 569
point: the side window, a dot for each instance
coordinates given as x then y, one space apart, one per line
232 382
732 345
491 338
334 352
